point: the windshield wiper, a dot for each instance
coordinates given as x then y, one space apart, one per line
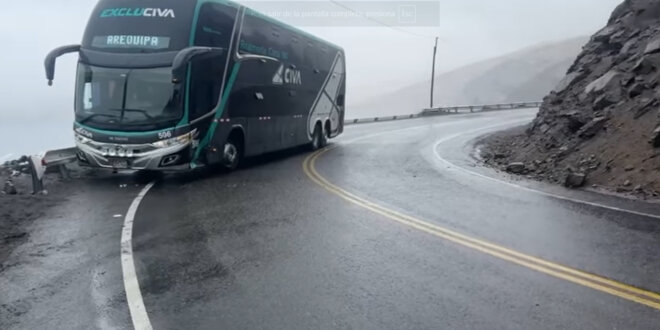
144 112
84 120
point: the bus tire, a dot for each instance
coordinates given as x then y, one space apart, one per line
232 152
327 131
318 138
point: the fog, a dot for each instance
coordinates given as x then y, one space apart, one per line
379 59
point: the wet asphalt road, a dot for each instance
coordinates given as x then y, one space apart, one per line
268 247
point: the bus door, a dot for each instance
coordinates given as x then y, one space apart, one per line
254 99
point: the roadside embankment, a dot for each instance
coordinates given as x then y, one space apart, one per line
600 125
19 207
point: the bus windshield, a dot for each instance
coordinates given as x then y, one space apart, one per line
127 99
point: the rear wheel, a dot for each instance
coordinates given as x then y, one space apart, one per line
232 153
318 138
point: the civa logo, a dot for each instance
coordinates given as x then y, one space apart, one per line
138 12
288 76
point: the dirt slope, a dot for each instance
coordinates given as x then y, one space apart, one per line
601 121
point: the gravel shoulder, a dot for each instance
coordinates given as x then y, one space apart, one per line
511 151
18 211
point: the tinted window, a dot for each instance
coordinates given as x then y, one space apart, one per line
259 36
214 29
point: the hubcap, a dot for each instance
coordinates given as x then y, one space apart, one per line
230 153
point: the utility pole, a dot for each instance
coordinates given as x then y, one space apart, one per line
435 50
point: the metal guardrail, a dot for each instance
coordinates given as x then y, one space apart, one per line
480 108
379 119
448 110
59 157
50 160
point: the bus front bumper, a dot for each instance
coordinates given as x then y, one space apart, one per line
134 157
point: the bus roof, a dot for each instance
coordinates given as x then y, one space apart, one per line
273 20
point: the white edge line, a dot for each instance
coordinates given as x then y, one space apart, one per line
479 175
131 285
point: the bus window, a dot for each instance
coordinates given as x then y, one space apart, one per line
214 29
297 49
311 56
87 96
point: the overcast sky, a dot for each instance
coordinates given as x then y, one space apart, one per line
379 59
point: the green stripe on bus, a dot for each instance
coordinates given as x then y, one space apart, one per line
191 43
219 112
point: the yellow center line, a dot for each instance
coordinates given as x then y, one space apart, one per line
573 275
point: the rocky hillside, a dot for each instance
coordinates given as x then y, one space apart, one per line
600 124
525 75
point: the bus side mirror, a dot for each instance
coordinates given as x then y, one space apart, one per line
188 55
49 63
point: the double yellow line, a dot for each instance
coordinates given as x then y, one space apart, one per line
576 276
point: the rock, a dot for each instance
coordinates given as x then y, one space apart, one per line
628 46
9 188
619 36
629 168
604 101
531 168
566 82
575 179
644 66
655 137
653 46
604 34
592 128
635 90
609 80
644 106
499 155
638 187
515 167
574 120
627 183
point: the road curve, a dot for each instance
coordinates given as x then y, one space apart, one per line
393 226
284 244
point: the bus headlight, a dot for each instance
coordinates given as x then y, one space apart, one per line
175 141
81 139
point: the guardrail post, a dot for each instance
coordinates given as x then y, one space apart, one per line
37 173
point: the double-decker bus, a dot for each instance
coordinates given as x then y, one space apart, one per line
179 84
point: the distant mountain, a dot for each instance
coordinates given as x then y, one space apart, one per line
525 75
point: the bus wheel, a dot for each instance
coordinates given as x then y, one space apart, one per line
318 138
231 154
